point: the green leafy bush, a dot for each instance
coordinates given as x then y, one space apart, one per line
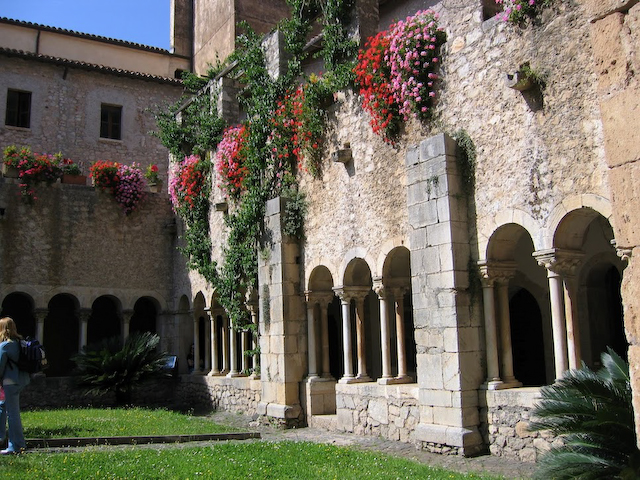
110 366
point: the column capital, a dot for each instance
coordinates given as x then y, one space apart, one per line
322 297
500 271
41 313
348 293
84 314
379 288
623 252
560 261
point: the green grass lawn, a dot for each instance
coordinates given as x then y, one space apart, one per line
94 422
224 460
283 460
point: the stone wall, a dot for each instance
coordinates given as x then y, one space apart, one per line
65 112
239 394
388 411
615 30
505 415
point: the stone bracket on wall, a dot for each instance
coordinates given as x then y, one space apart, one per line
449 355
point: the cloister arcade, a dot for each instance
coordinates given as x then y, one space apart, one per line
65 325
551 298
219 349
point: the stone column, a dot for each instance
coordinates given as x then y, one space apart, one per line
253 310
127 315
312 354
402 377
385 341
41 314
347 350
225 344
83 316
506 349
491 337
196 344
213 327
324 334
207 343
362 375
233 357
557 262
245 348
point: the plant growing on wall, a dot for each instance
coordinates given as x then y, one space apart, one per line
32 168
396 72
516 11
230 160
125 182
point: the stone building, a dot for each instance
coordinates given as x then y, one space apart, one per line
415 309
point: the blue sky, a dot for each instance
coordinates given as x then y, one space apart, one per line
140 21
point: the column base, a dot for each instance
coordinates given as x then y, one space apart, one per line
313 379
349 379
213 373
394 380
234 374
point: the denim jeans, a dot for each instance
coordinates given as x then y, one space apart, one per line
10 409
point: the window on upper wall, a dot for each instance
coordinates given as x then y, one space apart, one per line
490 9
111 121
18 109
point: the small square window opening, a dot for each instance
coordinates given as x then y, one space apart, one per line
18 109
111 121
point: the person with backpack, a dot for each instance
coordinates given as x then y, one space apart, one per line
13 381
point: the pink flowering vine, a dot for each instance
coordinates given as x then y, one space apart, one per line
230 160
515 11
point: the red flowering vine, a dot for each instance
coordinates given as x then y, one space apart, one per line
189 185
396 72
230 160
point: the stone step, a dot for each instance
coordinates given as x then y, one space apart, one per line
326 422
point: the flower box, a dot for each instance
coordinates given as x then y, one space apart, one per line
9 171
155 187
74 179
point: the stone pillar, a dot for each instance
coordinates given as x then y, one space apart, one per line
127 315
385 341
83 317
505 333
225 344
283 340
196 344
449 357
402 377
245 347
207 343
233 352
311 338
347 349
614 39
324 334
213 327
361 348
491 338
560 262
252 306
227 99
41 315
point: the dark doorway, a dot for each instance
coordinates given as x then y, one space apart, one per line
61 335
335 339
19 307
527 339
104 321
144 317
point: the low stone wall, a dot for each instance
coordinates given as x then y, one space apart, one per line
388 411
61 392
504 416
239 394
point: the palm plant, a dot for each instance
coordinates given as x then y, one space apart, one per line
110 366
594 414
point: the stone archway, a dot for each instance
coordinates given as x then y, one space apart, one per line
20 307
61 334
105 319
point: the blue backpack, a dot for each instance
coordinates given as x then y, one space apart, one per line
32 357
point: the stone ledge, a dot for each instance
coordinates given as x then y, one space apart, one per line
468 439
